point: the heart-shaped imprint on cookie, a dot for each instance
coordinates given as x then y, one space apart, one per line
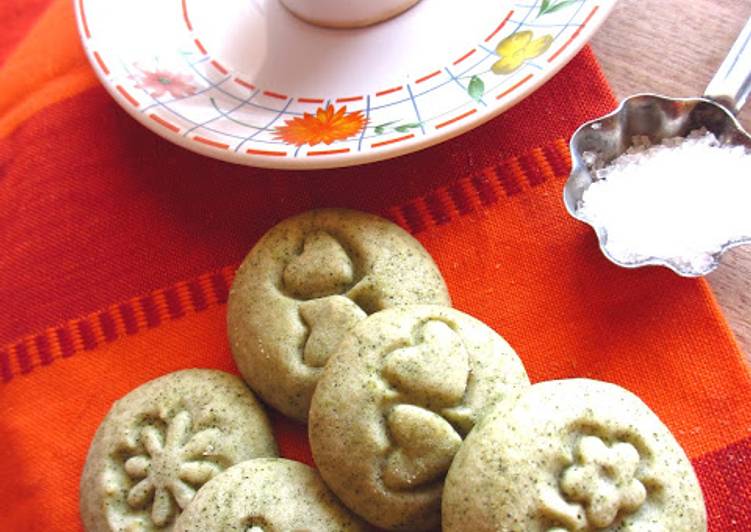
328 320
434 370
322 269
425 446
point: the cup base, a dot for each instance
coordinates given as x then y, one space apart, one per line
347 18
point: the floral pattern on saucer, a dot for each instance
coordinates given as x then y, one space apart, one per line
200 101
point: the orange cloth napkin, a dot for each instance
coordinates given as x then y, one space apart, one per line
118 249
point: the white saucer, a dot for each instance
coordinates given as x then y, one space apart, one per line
245 81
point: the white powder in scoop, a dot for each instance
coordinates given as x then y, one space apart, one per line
679 201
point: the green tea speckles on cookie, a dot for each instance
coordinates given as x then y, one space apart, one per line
162 442
572 455
267 495
394 403
308 281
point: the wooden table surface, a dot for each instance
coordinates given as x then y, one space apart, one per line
673 47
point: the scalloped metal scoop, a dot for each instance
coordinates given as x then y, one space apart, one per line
598 142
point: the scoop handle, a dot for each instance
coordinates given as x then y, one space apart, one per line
731 84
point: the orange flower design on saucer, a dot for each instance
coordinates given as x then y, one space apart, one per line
517 48
325 126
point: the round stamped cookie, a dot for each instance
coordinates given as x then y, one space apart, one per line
306 283
160 443
266 495
394 403
572 455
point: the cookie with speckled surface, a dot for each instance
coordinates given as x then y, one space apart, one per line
307 282
267 494
163 441
394 403
572 455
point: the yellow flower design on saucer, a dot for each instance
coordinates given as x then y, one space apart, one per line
517 48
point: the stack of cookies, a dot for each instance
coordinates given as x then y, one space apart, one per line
419 416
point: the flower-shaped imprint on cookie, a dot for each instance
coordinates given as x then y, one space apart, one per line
597 486
163 441
603 479
175 462
432 375
572 455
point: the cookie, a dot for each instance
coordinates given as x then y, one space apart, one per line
306 283
162 442
572 455
394 403
267 494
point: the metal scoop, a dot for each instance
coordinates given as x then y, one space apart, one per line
660 117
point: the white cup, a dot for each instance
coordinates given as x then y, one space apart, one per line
347 13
